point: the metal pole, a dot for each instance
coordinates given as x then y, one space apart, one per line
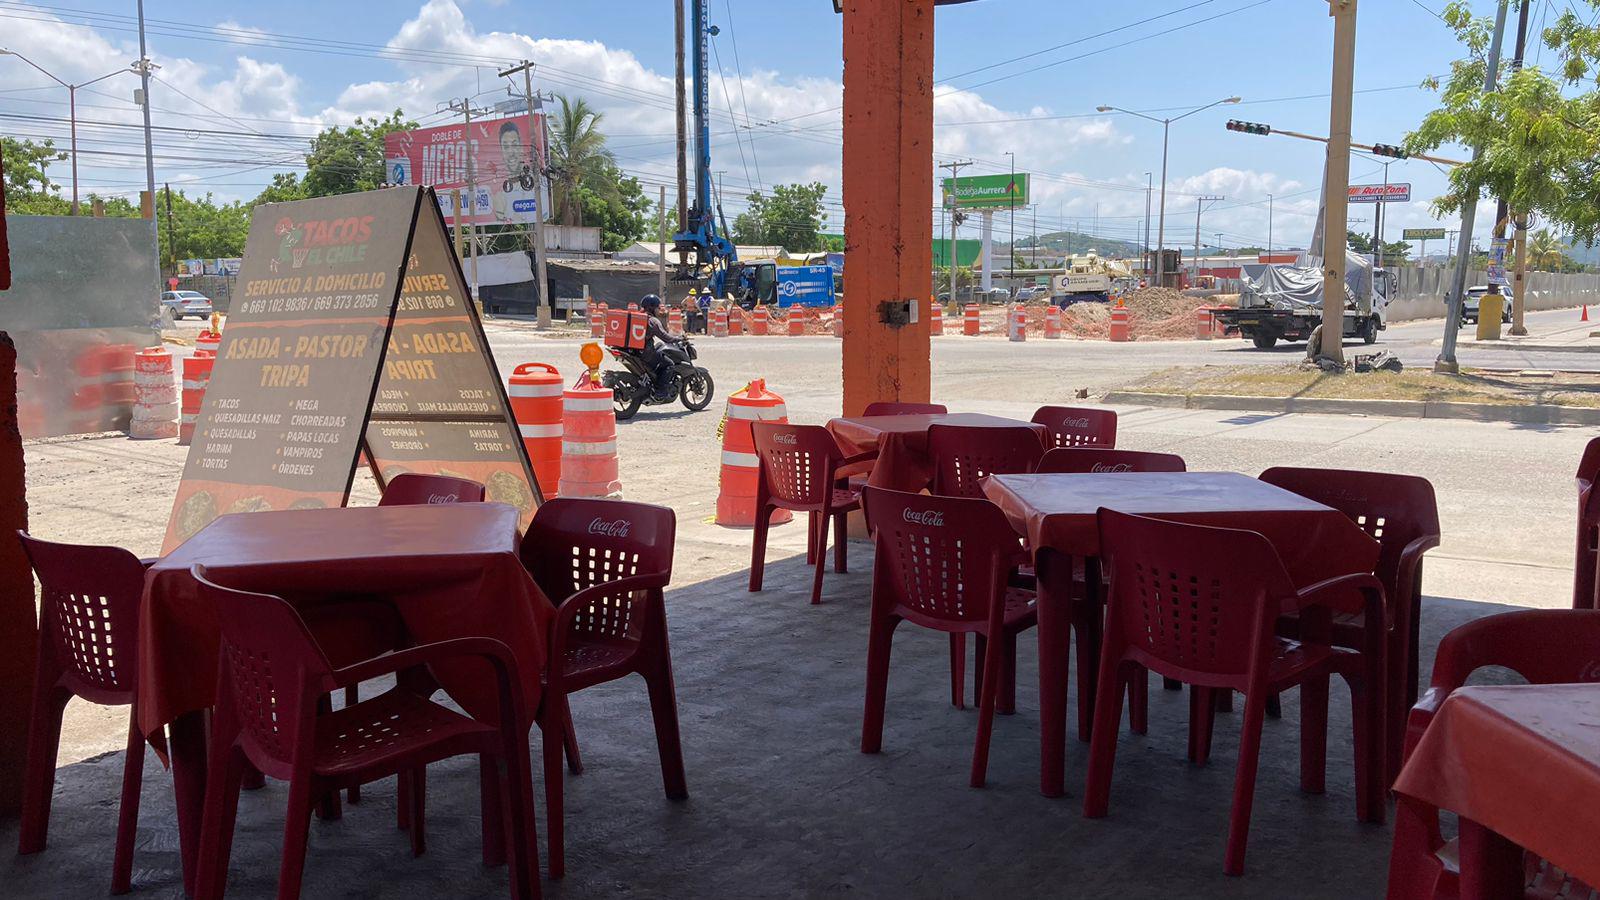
1446 363
1377 222
661 240
72 116
1269 228
683 122
149 153
540 251
472 197
1336 188
1161 229
172 234
1517 292
1148 187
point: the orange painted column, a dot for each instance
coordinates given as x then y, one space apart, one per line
888 181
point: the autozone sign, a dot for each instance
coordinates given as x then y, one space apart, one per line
1387 193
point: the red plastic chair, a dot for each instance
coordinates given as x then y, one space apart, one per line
1544 646
1199 604
1583 584
894 408
797 466
1088 460
604 563
964 455
942 563
89 648
1401 514
270 678
1075 426
417 489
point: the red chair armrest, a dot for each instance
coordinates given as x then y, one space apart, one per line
495 652
858 458
1421 716
1359 592
1410 558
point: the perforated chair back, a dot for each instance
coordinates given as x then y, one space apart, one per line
796 461
576 543
270 671
1087 460
1074 426
895 408
945 559
417 489
90 611
1192 596
963 455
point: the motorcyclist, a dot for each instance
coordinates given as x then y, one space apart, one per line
655 333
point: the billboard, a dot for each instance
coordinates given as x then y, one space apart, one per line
508 189
1003 191
1422 234
1388 193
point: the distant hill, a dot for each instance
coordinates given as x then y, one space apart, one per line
1589 256
1078 242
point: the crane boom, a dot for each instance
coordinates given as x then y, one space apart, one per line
706 254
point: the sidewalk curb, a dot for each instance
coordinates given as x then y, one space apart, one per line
1400 409
1525 347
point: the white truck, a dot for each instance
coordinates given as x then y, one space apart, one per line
1284 302
1087 279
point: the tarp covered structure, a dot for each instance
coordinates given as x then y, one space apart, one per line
1300 287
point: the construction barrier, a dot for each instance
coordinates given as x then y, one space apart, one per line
536 402
796 321
1052 323
1204 322
719 323
837 324
597 320
736 501
588 442
675 320
208 342
935 317
1017 326
735 320
155 407
196 376
1120 330
759 321
970 323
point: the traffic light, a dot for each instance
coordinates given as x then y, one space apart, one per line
1390 150
959 217
1249 127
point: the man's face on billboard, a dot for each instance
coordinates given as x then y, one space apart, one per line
511 149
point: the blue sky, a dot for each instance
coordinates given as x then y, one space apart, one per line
234 104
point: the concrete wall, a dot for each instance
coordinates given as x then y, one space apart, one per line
1419 293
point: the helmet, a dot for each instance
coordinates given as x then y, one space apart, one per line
649 303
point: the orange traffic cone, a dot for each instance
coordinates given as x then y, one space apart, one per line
1585 317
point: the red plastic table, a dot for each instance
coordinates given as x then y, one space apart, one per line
902 443
450 571
1520 765
1057 515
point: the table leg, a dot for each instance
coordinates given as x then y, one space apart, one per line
1491 866
1089 621
186 744
1054 611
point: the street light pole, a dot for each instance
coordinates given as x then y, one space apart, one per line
72 111
1147 189
1011 201
1166 130
1269 228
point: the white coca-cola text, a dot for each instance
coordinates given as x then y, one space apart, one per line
1114 467
444 498
923 516
618 528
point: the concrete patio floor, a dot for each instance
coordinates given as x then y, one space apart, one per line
782 804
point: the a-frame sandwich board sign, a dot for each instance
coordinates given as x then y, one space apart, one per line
351 329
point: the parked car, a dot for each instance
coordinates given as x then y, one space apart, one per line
1470 303
1031 292
997 295
187 303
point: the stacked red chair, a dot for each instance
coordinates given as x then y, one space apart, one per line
89 648
417 489
1221 637
1401 514
963 456
1074 426
1583 580
605 564
1543 646
943 563
797 468
270 677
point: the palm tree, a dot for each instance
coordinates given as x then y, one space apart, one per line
578 158
1546 251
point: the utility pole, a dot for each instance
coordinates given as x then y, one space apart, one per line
1149 186
1199 207
1377 221
661 240
1011 246
955 168
72 109
1269 228
172 235
464 106
1336 187
683 124
1446 362
1521 217
1036 235
144 68
537 160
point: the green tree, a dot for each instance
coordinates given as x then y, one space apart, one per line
29 190
1539 146
791 218
200 227
1395 253
345 160
579 159
285 186
616 204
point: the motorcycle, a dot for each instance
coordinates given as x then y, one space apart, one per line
682 380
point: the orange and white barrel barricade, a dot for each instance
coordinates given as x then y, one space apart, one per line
597 320
719 322
838 321
155 407
675 320
210 339
797 321
588 441
935 317
536 402
1017 324
970 323
759 320
633 307
1052 323
1203 317
116 374
736 501
735 320
196 376
1120 327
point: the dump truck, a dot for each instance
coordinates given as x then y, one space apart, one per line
1283 302
1087 279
